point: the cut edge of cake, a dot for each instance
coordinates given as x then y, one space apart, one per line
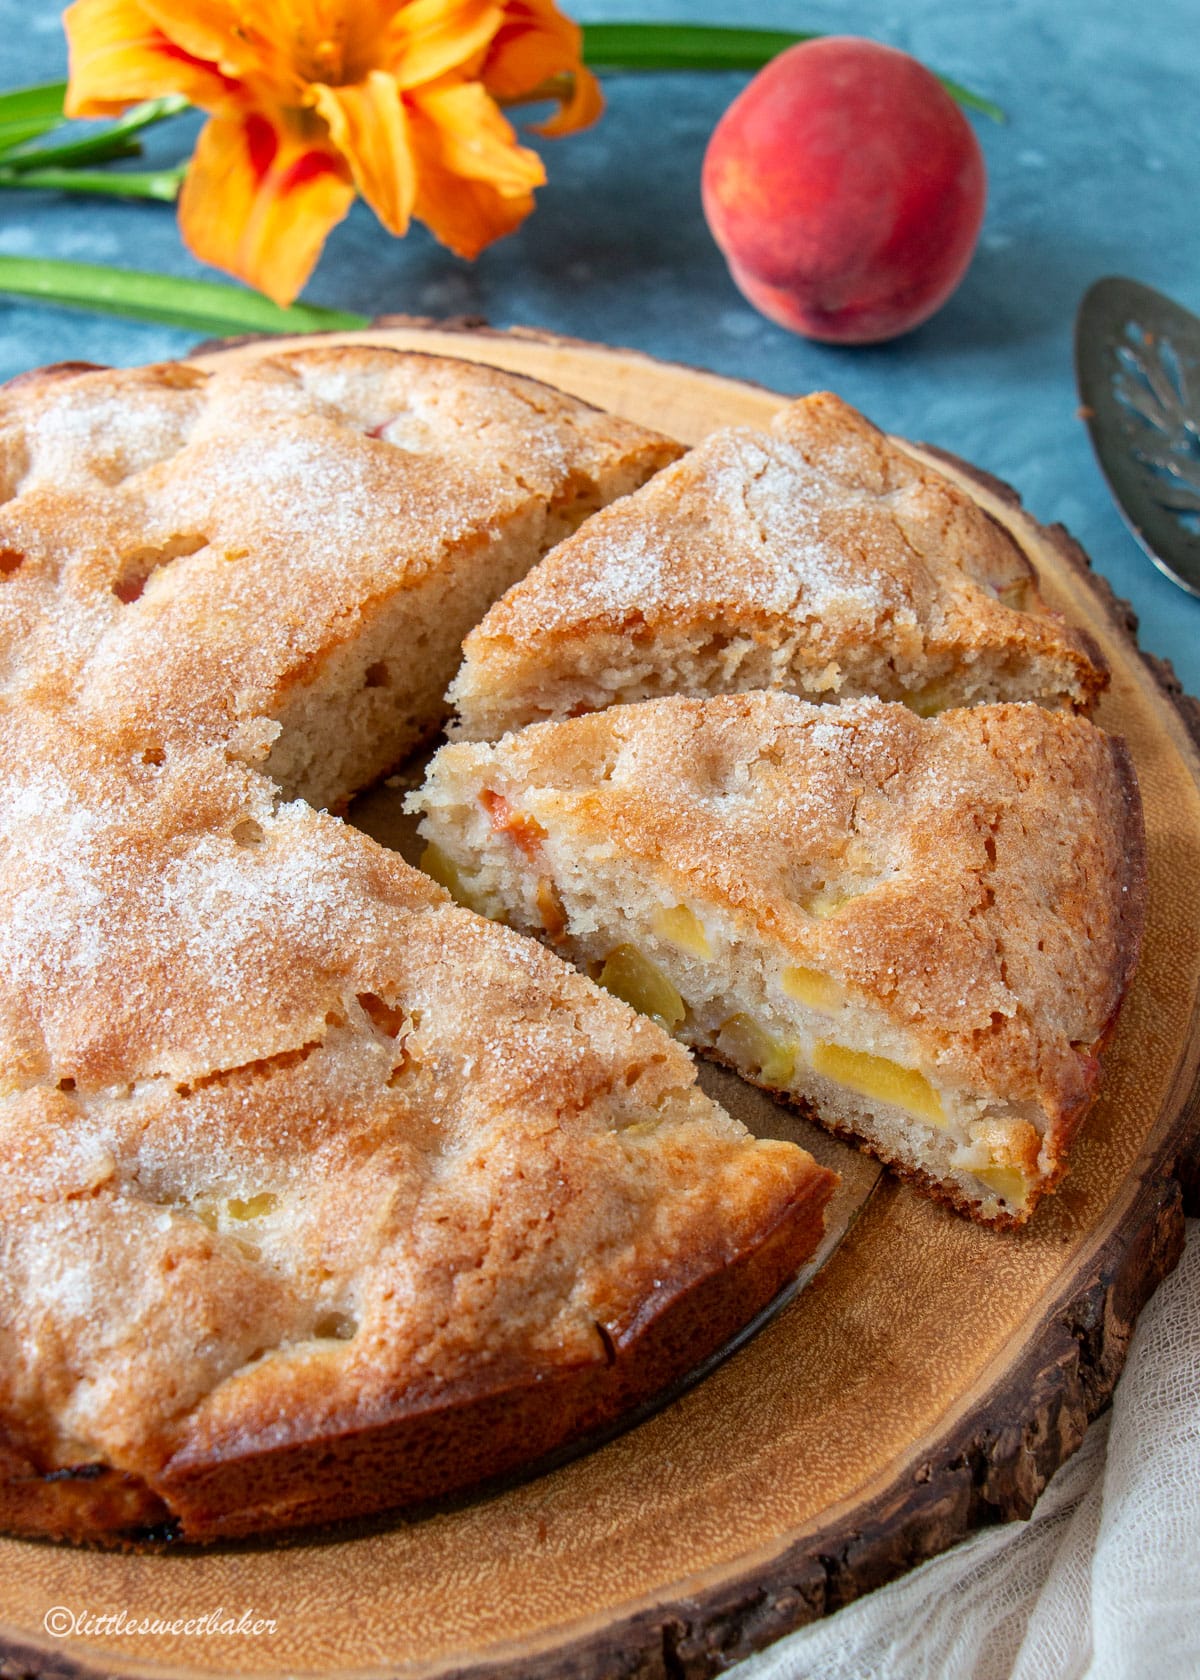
817 557
297 544
662 905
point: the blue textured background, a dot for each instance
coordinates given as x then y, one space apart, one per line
1094 174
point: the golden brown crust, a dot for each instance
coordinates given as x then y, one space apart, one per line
414 1451
976 879
197 549
300 1164
1129 836
819 557
51 371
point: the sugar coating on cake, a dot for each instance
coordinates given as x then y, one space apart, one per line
318 1194
297 542
920 928
816 557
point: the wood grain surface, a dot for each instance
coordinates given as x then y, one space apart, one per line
929 1380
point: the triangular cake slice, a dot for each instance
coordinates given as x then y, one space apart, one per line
817 557
921 929
319 1194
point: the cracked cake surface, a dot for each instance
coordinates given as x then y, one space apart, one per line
290 549
816 557
922 929
318 1194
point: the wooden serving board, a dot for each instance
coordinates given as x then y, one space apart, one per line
930 1380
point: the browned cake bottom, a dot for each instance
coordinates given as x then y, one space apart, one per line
428 1446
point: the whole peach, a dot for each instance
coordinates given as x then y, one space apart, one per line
846 189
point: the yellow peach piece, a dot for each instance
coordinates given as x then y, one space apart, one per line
1015 595
928 701
682 927
641 1128
814 989
436 863
749 1045
827 903
255 1207
633 978
1008 1183
880 1078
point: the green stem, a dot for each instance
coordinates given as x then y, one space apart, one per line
160 184
99 148
698 46
203 306
683 46
26 113
20 133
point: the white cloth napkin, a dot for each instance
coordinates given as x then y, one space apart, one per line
1102 1583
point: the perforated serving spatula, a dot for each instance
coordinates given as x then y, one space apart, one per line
1137 364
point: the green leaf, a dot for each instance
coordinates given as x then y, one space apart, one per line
698 46
682 46
203 306
112 142
24 104
973 101
19 133
28 112
160 184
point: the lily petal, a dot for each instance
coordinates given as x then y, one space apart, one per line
260 198
538 47
467 215
474 183
368 126
583 105
428 39
119 56
208 29
476 141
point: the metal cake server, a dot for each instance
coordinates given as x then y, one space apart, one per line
1137 364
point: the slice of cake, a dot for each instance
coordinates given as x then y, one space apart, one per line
921 929
818 558
318 1194
297 541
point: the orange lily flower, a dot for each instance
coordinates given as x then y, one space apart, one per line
311 101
